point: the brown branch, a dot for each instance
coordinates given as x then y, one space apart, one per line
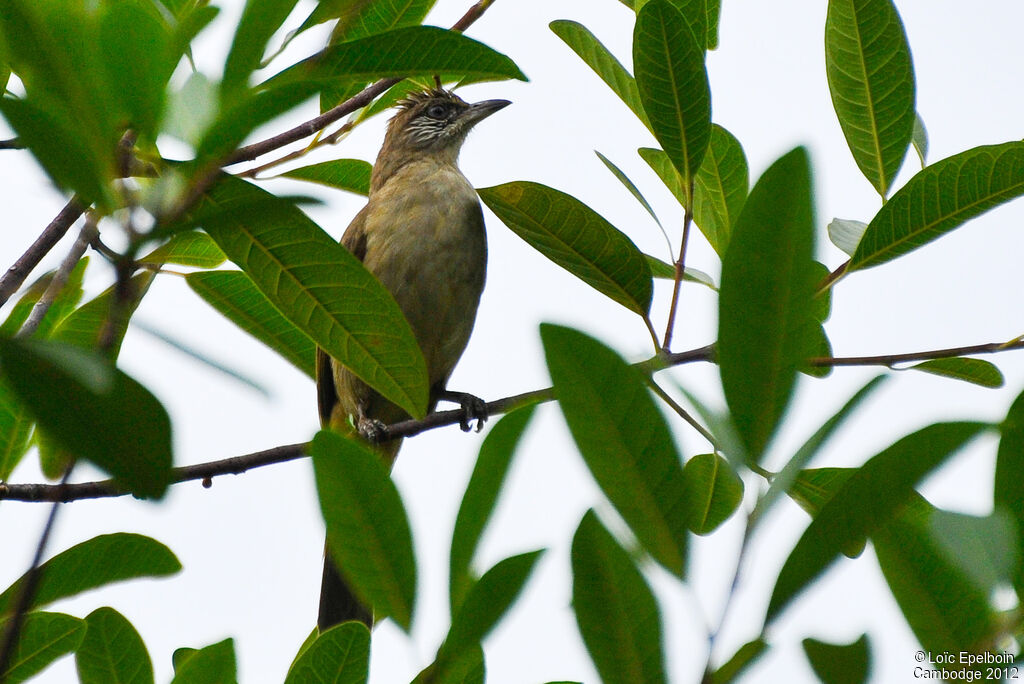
308 128
11 144
891 359
60 279
680 266
51 235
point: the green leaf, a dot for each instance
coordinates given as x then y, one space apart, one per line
214 664
942 197
467 668
260 20
320 287
615 609
673 86
712 492
410 51
15 431
840 663
984 548
975 371
623 438
94 563
744 657
486 603
1008 487
367 528
93 410
920 140
659 269
358 18
236 296
112 652
765 308
44 638
341 655
629 185
720 188
788 475
597 57
846 234
576 238
66 300
485 484
191 248
868 499
871 78
352 175
83 326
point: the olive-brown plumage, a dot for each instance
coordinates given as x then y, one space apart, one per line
422 235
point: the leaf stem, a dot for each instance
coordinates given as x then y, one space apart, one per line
680 270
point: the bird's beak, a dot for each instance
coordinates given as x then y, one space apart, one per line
479 111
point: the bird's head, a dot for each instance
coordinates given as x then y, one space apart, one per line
436 121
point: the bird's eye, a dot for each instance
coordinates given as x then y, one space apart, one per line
438 111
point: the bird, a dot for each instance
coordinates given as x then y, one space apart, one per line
421 233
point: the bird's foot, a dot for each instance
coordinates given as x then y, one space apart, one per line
372 430
473 408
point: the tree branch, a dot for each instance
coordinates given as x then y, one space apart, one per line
51 235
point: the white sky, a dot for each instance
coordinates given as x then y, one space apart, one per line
251 545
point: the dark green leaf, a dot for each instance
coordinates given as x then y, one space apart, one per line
712 492
615 610
191 248
662 166
95 563
871 78
112 652
466 668
341 655
747 654
93 410
358 18
214 664
720 188
920 140
942 197
235 295
367 528
865 502
673 86
1008 489
765 308
659 269
623 438
44 637
576 238
15 431
481 495
629 185
320 287
597 57
840 663
260 20
352 175
975 371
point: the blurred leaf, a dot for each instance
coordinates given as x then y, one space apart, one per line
83 326
629 185
744 657
66 300
486 603
576 238
352 175
984 548
44 638
94 563
480 498
787 477
920 140
214 664
320 287
260 20
720 188
112 652
975 371
840 664
623 438
1008 487
15 431
942 197
367 528
340 655
358 18
673 86
871 78
467 668
865 502
846 234
597 57
235 295
659 269
765 309
191 248
93 410
712 491
192 109
615 609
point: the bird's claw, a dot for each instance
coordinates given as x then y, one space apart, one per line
473 409
372 430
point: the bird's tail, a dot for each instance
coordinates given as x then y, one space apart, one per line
338 603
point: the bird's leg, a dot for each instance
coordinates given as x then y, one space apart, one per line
473 408
370 429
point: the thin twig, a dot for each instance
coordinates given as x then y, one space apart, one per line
833 277
60 278
891 359
680 270
11 144
682 413
51 235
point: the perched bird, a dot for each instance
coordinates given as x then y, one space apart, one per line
422 235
